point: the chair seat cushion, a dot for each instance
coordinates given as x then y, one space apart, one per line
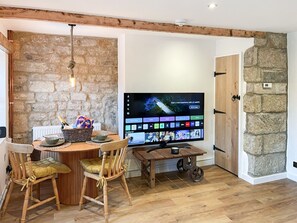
93 165
46 167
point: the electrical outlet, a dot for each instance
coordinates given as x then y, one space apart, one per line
295 164
267 85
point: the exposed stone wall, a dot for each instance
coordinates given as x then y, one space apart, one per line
42 89
265 138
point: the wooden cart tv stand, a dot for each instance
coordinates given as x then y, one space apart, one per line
148 159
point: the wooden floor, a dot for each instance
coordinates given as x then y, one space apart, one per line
219 197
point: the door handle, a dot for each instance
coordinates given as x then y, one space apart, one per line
234 97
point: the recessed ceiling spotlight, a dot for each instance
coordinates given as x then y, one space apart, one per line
212 5
180 22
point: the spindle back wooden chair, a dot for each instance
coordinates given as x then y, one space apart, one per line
23 173
110 167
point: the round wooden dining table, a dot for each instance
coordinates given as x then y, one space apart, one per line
70 185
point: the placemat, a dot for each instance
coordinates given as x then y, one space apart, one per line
95 143
46 148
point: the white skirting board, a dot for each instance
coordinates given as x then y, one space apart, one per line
292 176
264 179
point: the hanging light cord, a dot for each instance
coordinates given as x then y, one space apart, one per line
71 64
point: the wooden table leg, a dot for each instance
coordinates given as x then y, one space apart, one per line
152 173
185 163
193 161
143 170
70 184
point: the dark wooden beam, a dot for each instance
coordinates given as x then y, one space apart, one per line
64 17
5 45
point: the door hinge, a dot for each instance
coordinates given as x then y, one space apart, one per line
235 97
218 73
217 111
216 148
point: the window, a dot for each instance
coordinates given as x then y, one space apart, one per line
3 89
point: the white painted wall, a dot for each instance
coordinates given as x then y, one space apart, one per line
3 114
169 64
229 46
121 81
152 61
232 46
292 106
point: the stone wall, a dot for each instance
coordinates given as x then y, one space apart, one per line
265 138
42 89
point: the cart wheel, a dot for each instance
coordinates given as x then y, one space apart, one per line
180 165
196 173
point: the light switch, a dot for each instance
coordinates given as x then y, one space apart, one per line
267 85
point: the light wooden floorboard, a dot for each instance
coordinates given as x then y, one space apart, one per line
219 198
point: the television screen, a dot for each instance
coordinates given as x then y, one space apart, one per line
150 118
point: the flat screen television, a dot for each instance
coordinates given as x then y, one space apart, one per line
153 118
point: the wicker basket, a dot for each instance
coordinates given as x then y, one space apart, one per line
77 135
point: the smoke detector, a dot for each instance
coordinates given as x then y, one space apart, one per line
212 5
180 22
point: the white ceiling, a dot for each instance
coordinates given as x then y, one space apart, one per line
256 15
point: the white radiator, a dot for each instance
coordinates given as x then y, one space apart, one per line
40 131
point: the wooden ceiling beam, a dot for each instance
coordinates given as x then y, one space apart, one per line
5 44
64 17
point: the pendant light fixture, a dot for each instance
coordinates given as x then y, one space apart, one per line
71 64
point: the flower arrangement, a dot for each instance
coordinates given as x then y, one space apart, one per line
80 131
83 122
